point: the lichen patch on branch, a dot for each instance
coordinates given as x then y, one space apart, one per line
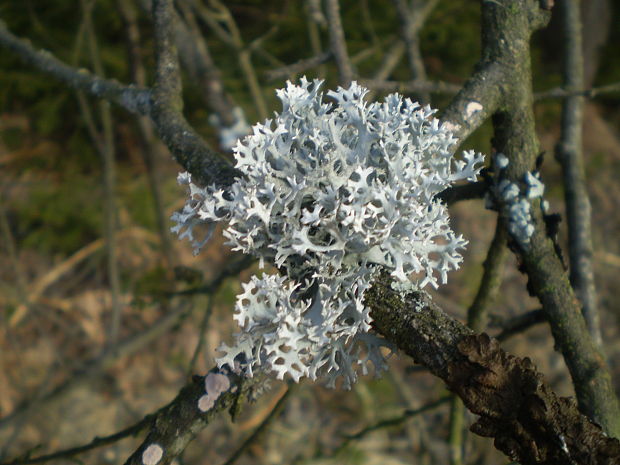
331 193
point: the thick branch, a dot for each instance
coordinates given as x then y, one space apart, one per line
188 148
529 422
477 100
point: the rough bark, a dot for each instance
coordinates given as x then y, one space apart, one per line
528 421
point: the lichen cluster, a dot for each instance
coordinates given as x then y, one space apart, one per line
331 192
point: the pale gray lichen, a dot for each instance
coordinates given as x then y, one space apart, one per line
152 454
472 107
535 188
331 192
215 385
501 160
229 135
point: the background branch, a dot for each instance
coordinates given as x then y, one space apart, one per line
569 152
338 44
515 137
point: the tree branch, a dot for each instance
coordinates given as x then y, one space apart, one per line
569 151
561 92
188 148
132 98
505 34
477 317
410 27
298 67
178 423
529 422
273 414
94 444
338 43
415 86
477 100
162 103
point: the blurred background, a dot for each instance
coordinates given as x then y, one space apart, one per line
104 314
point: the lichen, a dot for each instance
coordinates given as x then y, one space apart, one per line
215 385
331 194
152 454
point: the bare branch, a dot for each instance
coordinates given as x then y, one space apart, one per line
94 444
390 422
561 92
299 67
529 422
520 323
415 86
478 99
132 98
178 423
273 414
150 148
569 152
196 57
188 148
409 30
235 40
338 43
515 136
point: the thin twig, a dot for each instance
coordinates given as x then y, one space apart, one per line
8 241
202 334
94 444
389 62
196 56
417 86
390 422
569 152
107 153
338 44
133 98
561 92
298 67
520 323
244 57
232 269
412 43
275 412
